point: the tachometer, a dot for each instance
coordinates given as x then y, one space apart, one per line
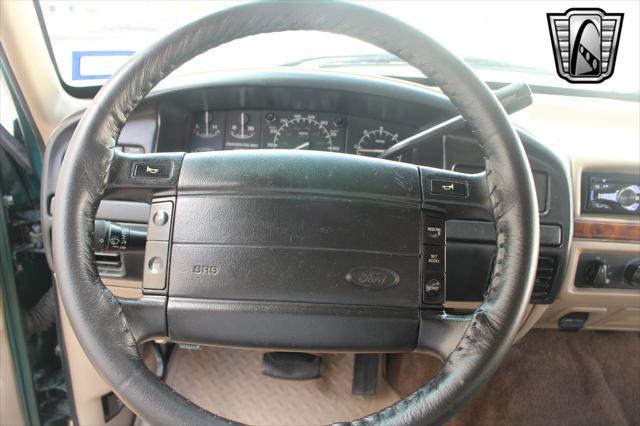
375 142
303 133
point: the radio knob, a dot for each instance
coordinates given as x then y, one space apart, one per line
596 274
632 274
629 196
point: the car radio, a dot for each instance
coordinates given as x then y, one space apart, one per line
611 194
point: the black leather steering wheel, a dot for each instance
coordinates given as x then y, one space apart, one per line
217 218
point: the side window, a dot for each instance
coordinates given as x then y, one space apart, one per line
8 114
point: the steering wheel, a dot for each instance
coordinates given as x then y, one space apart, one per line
295 250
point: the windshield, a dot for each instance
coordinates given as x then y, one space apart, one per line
502 41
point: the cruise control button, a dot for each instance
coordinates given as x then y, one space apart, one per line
434 258
152 170
433 230
159 226
155 271
449 187
433 288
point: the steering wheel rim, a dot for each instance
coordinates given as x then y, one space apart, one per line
98 318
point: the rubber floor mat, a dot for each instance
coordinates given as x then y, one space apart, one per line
229 382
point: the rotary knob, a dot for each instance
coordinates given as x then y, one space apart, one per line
629 197
596 274
632 274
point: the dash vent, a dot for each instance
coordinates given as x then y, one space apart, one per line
110 264
544 279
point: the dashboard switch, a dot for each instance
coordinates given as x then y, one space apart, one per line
155 262
632 274
434 258
433 230
448 187
433 288
159 225
597 274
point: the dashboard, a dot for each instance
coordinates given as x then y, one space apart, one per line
353 115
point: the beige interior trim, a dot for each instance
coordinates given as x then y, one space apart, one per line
10 404
87 384
531 320
125 288
608 309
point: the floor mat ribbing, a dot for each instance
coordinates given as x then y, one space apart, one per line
230 383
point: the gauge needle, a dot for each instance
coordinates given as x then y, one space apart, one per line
305 145
242 124
371 150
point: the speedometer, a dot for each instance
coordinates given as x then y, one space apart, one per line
303 133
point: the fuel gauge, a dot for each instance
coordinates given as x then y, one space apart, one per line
207 131
205 126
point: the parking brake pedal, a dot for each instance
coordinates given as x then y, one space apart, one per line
291 365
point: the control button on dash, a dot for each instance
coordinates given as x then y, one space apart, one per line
433 230
434 258
433 288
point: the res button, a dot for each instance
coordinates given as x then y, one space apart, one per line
433 230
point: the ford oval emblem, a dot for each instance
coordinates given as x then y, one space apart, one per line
373 277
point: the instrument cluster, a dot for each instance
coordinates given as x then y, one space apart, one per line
272 129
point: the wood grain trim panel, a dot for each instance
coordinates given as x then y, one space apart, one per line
612 231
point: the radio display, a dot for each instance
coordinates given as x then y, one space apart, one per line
612 194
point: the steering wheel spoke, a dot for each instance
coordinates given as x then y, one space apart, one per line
440 333
141 177
146 316
455 195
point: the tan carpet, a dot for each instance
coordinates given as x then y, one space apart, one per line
549 378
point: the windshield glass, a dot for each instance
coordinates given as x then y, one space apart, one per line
502 41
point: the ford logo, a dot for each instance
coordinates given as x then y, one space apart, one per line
373 277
